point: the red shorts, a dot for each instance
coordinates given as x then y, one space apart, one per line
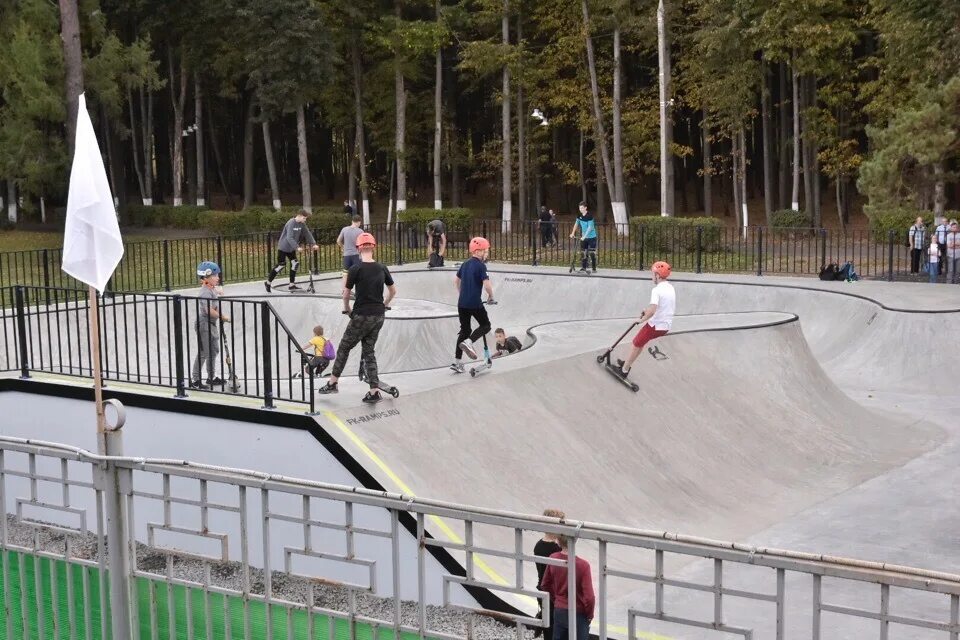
646 334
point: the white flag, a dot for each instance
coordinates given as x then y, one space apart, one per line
92 246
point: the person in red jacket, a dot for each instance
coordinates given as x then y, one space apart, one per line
555 583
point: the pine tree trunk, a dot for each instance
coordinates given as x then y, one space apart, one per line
815 158
201 155
767 143
735 177
507 174
351 153
137 159
939 191
707 167
271 163
454 168
583 175
438 122
599 130
73 65
218 159
618 195
179 103
400 96
810 189
12 210
666 127
745 213
358 132
783 139
601 196
304 160
248 190
146 113
795 191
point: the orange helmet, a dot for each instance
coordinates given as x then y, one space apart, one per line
366 238
661 268
479 244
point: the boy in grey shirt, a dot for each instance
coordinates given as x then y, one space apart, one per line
295 233
347 240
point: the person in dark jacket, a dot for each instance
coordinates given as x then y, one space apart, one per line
546 547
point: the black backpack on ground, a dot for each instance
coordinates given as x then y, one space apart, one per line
829 272
436 260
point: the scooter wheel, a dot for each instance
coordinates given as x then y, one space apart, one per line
395 392
600 359
635 387
473 373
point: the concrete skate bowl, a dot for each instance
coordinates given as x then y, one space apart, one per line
737 430
861 342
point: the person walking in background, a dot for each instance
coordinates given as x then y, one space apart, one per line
348 208
917 243
546 228
933 261
546 547
555 583
347 240
953 251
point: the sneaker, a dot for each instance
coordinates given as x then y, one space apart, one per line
196 384
468 349
457 367
372 397
215 382
620 373
330 387
267 286
582 270
594 270
294 287
297 375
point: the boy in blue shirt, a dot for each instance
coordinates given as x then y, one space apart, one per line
588 238
472 281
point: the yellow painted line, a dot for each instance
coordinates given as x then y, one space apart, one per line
445 528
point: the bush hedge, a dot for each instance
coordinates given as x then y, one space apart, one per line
454 219
325 222
898 220
790 219
671 233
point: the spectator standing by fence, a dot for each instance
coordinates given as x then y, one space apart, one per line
555 583
941 233
546 547
953 251
917 244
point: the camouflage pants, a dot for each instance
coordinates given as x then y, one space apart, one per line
365 330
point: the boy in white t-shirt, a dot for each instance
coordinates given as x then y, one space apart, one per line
657 318
933 263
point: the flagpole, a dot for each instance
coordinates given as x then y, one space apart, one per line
94 324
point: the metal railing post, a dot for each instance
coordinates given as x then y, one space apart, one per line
891 237
759 251
219 244
642 240
533 241
22 332
699 249
399 243
115 485
268 240
166 265
178 346
46 275
265 318
823 247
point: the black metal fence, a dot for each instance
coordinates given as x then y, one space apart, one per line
154 339
170 264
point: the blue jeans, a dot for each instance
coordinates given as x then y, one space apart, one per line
932 268
561 625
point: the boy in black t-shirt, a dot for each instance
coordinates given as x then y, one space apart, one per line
369 277
506 345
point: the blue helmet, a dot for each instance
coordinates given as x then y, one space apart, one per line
207 268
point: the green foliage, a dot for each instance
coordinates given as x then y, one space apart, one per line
898 220
790 219
325 223
662 233
454 219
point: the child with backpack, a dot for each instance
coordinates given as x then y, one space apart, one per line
323 353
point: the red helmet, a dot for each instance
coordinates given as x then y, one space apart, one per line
479 244
662 269
366 238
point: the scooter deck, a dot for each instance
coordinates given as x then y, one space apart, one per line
481 368
614 371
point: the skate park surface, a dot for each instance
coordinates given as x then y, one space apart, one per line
789 413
